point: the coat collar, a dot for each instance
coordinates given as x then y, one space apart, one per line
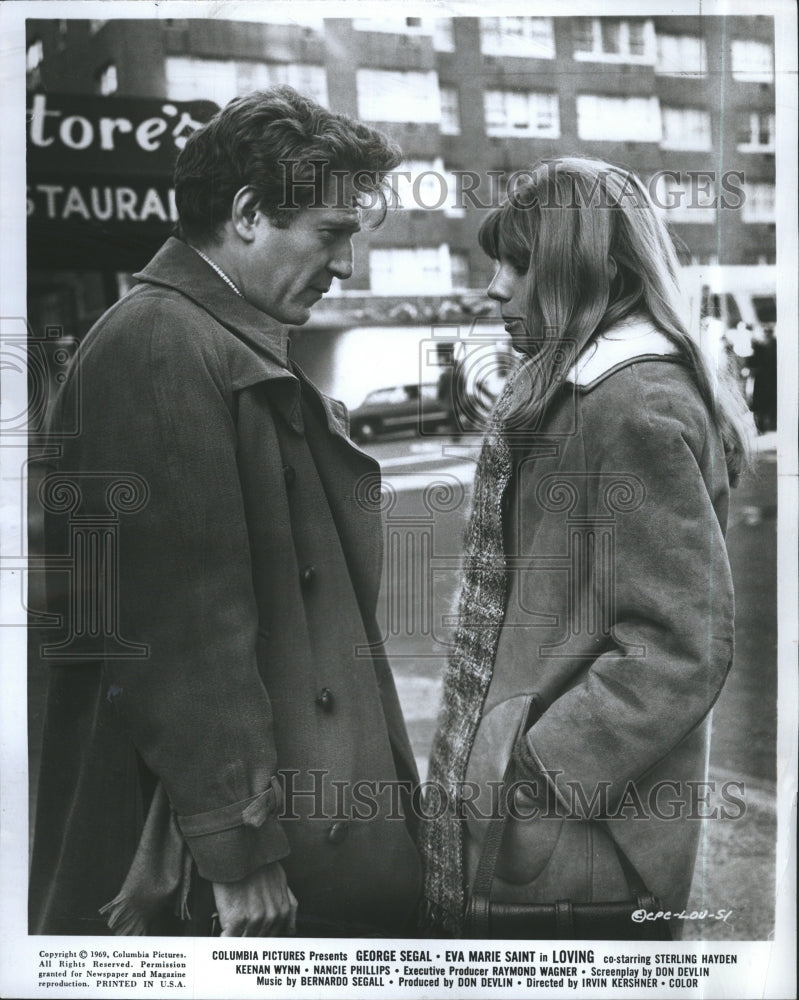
178 266
624 343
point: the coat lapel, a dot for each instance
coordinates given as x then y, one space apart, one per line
179 267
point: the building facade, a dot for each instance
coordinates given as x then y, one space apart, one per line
685 102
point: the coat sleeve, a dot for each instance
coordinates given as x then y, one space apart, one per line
195 706
668 597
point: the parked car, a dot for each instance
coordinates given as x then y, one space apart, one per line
400 409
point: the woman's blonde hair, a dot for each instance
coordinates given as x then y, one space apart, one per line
595 251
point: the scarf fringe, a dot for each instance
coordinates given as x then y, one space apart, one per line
126 916
160 874
123 917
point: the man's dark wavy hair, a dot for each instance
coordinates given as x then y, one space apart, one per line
267 139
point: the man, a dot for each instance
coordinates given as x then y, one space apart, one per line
203 738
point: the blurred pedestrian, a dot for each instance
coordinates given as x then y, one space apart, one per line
763 363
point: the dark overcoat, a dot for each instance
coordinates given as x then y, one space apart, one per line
225 545
620 618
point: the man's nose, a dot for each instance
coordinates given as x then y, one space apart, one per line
341 265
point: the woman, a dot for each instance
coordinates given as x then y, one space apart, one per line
596 573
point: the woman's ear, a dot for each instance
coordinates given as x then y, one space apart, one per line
612 269
245 212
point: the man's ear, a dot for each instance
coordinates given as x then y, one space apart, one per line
245 213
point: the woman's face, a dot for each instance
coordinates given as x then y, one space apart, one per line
509 287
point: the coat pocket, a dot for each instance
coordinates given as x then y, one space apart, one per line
529 839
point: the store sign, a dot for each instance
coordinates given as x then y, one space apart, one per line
97 202
99 177
110 134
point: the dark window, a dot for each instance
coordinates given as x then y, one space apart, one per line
765 308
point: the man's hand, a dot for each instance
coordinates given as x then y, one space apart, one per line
260 905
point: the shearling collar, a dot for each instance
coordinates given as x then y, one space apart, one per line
178 266
636 338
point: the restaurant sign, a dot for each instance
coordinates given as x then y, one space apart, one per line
99 177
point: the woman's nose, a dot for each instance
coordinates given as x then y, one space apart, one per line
498 288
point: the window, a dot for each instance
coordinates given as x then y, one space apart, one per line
533 37
220 80
106 80
394 96
521 113
756 132
391 25
450 111
34 55
686 128
430 187
443 34
681 55
437 28
760 204
606 39
410 270
459 268
424 189
630 119
684 199
308 80
752 61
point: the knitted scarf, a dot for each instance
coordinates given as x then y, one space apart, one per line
481 610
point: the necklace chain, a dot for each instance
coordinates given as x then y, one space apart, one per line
219 271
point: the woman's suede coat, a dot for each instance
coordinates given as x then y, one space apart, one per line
620 617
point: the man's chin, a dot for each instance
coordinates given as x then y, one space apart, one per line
296 316
299 318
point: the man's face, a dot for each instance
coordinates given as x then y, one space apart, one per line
287 271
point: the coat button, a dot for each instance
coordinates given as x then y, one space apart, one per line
289 474
338 832
307 573
325 700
